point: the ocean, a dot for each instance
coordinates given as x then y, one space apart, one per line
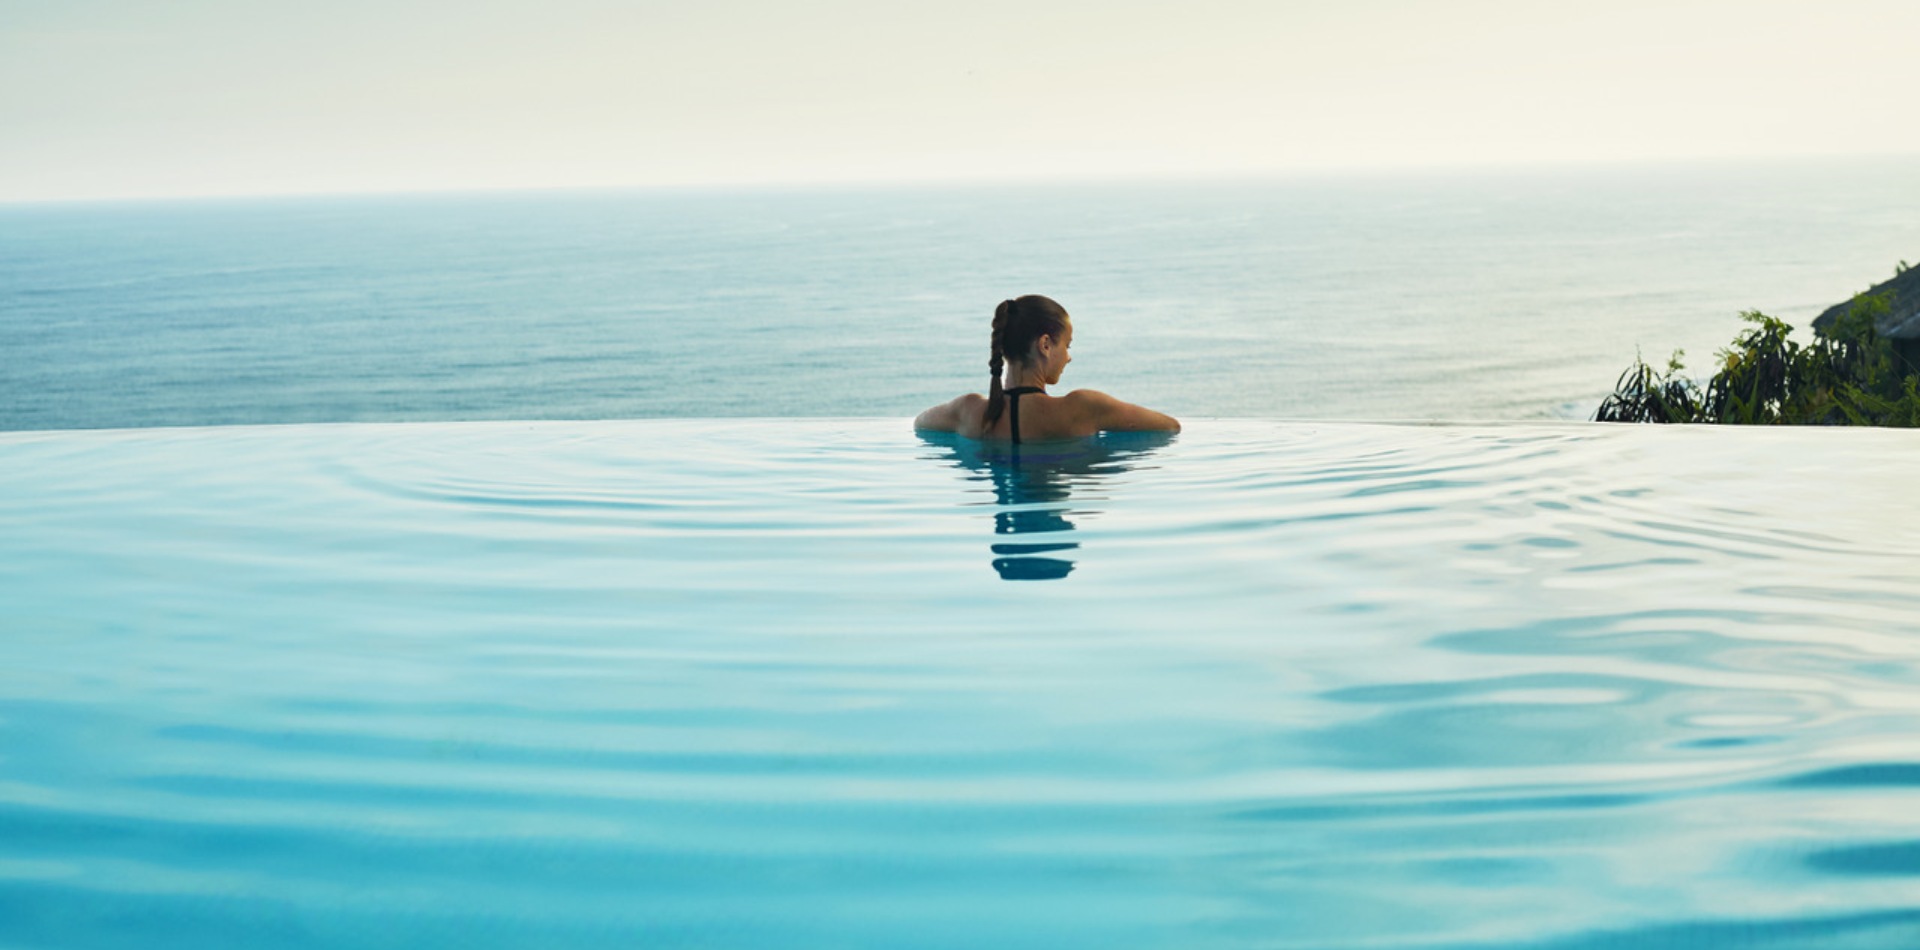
1467 296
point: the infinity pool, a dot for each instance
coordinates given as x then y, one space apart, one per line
827 683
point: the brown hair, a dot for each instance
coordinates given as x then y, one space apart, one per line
1017 325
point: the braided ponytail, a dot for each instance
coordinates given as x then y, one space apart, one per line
996 399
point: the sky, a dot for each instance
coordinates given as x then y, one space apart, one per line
135 98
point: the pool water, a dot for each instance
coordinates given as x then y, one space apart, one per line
827 683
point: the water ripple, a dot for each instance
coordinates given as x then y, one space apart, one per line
753 683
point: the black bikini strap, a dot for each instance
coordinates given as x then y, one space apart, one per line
1013 407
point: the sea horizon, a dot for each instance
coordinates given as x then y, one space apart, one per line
1250 176
1466 297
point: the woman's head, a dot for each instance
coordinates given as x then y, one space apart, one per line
1032 331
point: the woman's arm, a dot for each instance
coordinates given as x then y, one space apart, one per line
946 417
1112 415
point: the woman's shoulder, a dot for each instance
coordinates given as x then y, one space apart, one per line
1108 412
1090 403
1089 397
960 414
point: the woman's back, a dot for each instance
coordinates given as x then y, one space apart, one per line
1035 416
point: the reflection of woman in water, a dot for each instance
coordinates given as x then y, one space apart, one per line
1031 336
1033 492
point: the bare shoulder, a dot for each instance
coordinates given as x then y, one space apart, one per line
1109 413
955 415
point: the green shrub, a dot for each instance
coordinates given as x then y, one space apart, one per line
1641 395
1849 375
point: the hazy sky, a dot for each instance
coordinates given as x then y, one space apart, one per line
103 98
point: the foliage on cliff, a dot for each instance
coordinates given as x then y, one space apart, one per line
1849 375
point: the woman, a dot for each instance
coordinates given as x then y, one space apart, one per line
1031 336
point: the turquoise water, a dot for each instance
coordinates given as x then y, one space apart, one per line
825 683
1468 297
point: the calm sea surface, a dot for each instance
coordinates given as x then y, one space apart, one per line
1460 297
823 683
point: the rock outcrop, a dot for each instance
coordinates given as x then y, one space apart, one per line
1902 319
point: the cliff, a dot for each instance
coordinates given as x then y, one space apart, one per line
1902 319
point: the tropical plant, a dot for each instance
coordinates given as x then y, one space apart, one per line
1641 395
1849 375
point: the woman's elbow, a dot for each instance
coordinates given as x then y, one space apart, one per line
940 418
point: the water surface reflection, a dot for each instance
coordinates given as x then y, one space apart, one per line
1032 487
